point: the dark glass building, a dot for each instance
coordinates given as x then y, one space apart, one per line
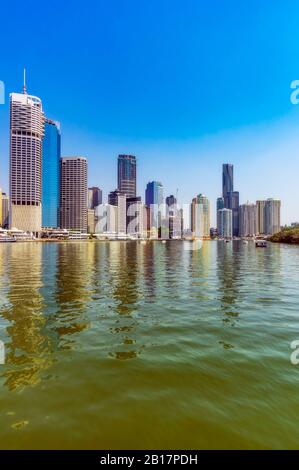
227 179
95 197
51 152
154 193
232 202
126 175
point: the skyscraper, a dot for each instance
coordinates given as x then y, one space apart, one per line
154 193
227 179
26 134
200 216
272 216
51 174
95 197
261 214
136 217
220 203
118 199
127 175
154 199
248 220
231 201
73 193
230 197
225 223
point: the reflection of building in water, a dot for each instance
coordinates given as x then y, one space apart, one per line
199 266
228 270
28 348
123 276
73 291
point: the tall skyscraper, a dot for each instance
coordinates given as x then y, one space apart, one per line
268 216
227 179
95 197
230 197
118 199
272 216
25 185
154 193
220 203
248 220
73 193
200 217
51 174
261 214
154 198
127 175
225 223
231 201
136 217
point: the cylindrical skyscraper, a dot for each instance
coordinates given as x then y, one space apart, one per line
26 134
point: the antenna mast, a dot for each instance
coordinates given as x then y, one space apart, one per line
24 85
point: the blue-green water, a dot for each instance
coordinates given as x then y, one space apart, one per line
124 345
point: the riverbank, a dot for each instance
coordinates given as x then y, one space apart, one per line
290 236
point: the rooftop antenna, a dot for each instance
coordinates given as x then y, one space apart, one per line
24 86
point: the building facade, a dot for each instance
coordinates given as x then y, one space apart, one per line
200 217
272 216
227 179
73 193
225 223
95 197
118 199
126 175
248 220
25 175
51 174
261 217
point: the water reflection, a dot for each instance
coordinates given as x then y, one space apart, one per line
28 346
74 262
228 270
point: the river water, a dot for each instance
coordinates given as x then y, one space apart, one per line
122 345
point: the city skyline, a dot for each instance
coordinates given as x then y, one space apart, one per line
126 169
181 118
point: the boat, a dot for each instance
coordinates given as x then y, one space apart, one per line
6 239
261 243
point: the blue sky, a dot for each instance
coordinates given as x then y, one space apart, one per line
184 85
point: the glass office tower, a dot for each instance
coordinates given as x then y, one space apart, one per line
127 175
227 179
51 174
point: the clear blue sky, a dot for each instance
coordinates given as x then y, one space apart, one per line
184 85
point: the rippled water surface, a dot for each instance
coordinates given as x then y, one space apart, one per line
124 345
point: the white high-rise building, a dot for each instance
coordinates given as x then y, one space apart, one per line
26 134
200 217
225 223
247 220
